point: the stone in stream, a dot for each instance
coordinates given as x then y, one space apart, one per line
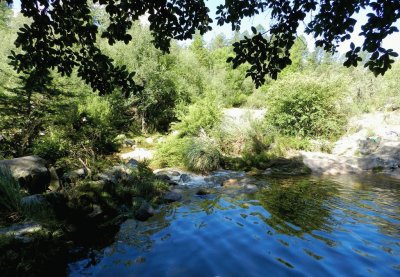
232 183
202 192
249 189
173 196
185 178
163 177
144 212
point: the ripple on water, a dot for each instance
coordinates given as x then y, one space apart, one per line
297 226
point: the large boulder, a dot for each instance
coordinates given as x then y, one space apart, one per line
30 171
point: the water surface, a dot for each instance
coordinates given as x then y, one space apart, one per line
296 226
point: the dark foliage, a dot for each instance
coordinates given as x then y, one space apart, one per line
63 34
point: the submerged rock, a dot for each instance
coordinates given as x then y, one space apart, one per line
30 171
144 212
203 191
173 196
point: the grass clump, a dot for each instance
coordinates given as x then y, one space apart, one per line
198 154
203 155
10 197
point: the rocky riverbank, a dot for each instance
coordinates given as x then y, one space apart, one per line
372 145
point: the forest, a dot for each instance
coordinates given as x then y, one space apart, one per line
179 113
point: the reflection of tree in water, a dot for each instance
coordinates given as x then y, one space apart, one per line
298 202
372 199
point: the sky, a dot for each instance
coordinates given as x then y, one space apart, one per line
392 42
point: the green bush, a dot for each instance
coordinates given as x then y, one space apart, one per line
203 155
51 147
245 135
203 115
199 154
305 107
10 197
171 153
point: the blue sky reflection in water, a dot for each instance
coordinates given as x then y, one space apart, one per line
297 227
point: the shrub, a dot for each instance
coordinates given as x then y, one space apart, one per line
51 147
244 135
305 107
171 153
10 197
203 115
203 155
200 154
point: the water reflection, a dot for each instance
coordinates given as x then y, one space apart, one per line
291 226
297 205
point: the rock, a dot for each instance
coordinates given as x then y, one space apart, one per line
106 178
144 212
140 154
149 140
132 163
54 180
170 173
96 213
30 171
250 189
73 176
21 229
128 143
163 177
58 202
172 183
255 172
202 192
33 201
173 196
231 183
185 178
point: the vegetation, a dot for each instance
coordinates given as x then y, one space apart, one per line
75 101
10 197
268 52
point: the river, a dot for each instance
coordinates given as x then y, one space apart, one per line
296 226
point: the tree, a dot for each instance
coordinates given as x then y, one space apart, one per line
62 35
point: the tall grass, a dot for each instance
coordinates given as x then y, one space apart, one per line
10 197
203 155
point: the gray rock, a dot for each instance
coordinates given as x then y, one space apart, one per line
21 229
106 178
202 191
54 180
33 201
163 177
30 171
171 173
73 176
173 196
185 178
132 163
129 142
96 212
144 212
250 189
